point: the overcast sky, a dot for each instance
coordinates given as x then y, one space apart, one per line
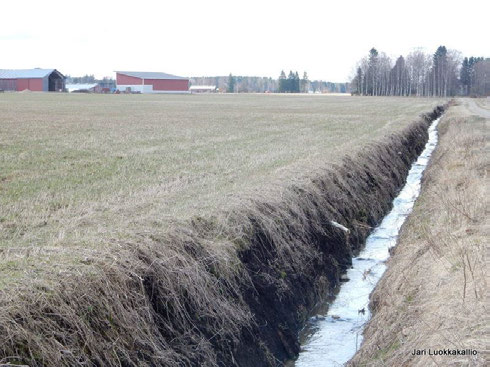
214 37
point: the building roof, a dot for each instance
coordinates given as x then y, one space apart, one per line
150 75
80 86
25 73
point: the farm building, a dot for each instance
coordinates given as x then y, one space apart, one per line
38 80
149 82
203 89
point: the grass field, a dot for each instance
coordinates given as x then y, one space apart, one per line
76 170
141 209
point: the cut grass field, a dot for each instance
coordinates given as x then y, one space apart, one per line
143 230
433 295
79 172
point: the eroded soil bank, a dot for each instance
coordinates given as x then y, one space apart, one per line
429 307
357 196
334 334
215 292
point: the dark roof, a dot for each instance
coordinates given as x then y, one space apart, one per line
150 75
26 73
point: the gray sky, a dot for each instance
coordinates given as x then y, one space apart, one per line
214 37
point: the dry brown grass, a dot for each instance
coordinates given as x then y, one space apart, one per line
434 292
127 220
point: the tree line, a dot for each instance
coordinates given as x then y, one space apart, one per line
284 84
442 74
292 84
89 79
237 84
475 76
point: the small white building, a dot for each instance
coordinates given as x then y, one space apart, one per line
82 87
203 89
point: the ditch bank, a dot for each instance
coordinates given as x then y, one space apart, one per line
289 280
430 308
332 338
226 291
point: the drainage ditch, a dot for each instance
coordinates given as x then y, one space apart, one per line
333 335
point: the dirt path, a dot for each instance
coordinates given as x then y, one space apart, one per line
432 297
473 107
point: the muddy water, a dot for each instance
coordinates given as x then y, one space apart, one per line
331 338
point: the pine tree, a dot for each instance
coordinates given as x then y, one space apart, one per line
296 83
440 72
465 76
398 77
282 82
231 84
305 83
359 81
291 82
372 72
472 61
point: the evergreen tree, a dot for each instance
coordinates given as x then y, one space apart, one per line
231 84
305 83
465 76
290 82
399 78
359 81
296 83
372 72
282 82
472 61
439 72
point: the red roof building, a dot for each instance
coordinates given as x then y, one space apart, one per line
37 80
149 82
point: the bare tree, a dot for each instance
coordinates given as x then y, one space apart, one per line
418 65
454 61
481 84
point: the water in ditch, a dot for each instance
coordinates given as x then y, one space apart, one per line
331 338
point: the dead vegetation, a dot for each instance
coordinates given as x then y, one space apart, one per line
433 293
218 289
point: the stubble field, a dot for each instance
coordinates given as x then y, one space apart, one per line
82 171
149 230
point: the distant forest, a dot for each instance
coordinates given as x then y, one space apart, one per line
284 84
444 73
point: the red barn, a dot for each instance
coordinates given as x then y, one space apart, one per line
149 82
38 80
